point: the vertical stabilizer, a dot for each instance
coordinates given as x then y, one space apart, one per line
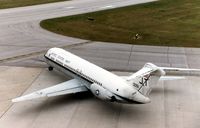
145 78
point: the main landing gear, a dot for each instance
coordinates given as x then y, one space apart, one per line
50 68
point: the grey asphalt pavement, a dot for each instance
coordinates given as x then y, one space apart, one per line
21 35
23 42
175 104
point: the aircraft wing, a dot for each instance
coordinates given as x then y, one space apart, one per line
68 87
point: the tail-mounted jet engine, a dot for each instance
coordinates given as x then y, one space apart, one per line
102 93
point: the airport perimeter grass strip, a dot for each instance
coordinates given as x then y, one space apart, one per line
20 3
161 23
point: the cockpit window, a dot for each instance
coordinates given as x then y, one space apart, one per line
53 54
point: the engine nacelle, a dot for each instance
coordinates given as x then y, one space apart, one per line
102 93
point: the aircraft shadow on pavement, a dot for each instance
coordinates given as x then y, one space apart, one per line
54 102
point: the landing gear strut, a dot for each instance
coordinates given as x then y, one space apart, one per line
50 68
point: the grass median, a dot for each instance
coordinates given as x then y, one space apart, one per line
19 3
161 23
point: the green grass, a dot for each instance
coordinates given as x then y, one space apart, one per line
19 3
162 23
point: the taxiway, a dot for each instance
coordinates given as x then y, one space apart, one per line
174 104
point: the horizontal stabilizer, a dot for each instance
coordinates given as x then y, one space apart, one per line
68 87
163 78
179 69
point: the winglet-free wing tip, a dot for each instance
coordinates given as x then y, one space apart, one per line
15 100
19 99
27 97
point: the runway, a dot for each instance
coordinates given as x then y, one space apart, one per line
23 43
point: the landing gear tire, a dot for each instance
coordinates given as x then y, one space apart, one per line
50 68
113 99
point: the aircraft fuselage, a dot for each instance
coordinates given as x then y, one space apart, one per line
102 83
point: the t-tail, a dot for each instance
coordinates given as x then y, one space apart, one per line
145 78
148 76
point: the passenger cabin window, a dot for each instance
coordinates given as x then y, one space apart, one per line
67 61
60 58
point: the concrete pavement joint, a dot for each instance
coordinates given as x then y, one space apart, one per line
22 93
40 52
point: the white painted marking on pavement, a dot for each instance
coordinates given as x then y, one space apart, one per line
108 6
70 7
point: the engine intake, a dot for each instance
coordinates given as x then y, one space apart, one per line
102 93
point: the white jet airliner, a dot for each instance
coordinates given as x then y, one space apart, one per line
102 83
